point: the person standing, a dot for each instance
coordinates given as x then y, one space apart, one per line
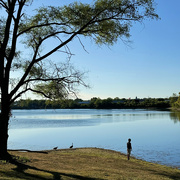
129 148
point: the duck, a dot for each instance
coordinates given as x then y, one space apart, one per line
55 148
71 146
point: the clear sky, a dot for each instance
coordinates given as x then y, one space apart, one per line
149 67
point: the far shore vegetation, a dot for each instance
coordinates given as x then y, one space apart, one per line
82 163
175 102
172 102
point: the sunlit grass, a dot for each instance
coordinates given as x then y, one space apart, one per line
83 163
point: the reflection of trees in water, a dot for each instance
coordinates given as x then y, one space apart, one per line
175 116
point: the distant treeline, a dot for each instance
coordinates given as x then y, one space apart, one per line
94 103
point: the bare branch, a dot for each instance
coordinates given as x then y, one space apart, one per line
82 45
39 92
3 4
26 90
44 80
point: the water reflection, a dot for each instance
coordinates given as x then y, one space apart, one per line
175 116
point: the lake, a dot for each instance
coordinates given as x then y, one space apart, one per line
155 134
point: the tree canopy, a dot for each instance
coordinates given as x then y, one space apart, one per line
105 22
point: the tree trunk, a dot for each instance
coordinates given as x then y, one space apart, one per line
4 121
3 142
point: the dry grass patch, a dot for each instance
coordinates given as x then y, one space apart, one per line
82 163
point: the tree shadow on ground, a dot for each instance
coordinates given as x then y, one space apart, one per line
23 150
21 168
174 176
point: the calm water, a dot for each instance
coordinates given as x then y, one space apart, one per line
155 134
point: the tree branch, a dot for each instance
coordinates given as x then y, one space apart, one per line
21 82
68 40
26 90
42 25
44 80
14 39
3 4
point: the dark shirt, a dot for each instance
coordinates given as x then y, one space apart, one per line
129 145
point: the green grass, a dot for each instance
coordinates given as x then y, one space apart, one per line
82 163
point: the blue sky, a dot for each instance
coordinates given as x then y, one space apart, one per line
149 67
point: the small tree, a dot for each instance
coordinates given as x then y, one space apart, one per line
176 103
105 22
173 100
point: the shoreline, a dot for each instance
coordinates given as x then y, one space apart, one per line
79 148
82 163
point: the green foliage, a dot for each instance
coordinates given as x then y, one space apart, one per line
94 103
52 90
175 101
29 104
105 21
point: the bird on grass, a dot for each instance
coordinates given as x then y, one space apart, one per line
55 148
71 146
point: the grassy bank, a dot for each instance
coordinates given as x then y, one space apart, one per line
83 163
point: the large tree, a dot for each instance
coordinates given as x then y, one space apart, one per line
24 38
